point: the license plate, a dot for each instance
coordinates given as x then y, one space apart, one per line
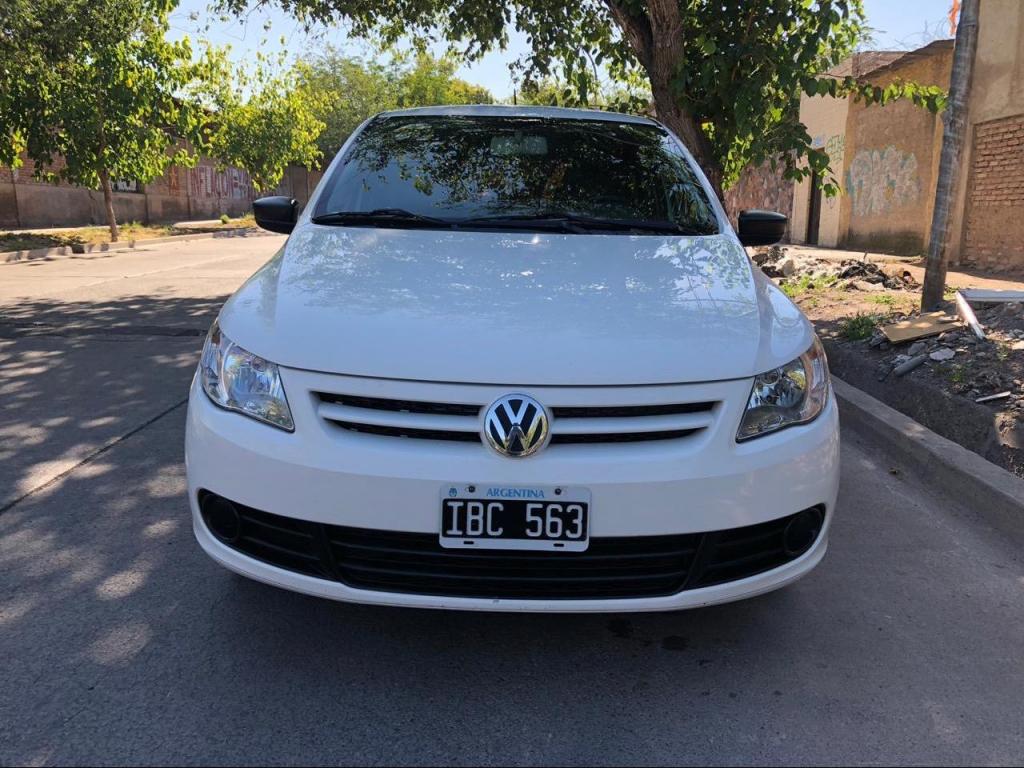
549 518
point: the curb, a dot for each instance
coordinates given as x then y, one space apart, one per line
65 251
990 492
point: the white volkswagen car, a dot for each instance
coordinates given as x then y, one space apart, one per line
513 359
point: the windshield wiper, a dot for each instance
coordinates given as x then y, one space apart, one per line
562 221
395 216
577 222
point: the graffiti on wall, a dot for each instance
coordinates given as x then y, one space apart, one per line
880 180
834 146
206 181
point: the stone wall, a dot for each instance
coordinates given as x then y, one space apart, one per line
759 187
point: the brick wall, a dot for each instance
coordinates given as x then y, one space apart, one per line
994 235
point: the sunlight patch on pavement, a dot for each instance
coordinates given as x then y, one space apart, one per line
15 609
121 644
125 582
160 528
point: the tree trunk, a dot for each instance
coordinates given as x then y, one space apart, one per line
657 38
955 120
688 129
108 204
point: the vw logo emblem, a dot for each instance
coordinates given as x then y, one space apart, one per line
516 426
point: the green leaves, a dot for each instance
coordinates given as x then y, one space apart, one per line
345 91
261 119
732 86
97 84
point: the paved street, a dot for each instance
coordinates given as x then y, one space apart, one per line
121 642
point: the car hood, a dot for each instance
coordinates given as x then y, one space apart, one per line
515 308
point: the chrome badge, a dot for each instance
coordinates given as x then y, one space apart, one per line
516 426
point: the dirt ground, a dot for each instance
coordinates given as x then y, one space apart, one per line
849 296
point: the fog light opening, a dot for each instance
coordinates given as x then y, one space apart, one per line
802 532
221 518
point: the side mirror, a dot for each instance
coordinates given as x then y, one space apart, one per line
277 213
761 227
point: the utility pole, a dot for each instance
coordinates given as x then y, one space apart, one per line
955 121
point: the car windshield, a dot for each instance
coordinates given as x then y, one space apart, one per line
517 173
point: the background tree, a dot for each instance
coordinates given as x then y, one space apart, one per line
345 90
725 75
96 83
263 120
553 91
429 80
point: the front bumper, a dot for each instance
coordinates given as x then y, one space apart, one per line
321 475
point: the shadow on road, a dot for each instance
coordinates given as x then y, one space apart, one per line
75 376
143 315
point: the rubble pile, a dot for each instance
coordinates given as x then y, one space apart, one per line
990 369
850 274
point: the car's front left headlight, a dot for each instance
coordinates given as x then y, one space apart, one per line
238 380
794 393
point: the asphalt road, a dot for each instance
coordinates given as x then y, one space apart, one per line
120 642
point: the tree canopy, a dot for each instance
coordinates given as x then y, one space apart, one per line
261 120
725 75
96 83
347 90
92 91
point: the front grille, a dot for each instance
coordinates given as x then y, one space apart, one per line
408 406
459 422
397 431
414 563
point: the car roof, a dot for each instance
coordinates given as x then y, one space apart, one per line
506 110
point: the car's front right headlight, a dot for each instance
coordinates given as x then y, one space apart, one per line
794 393
238 380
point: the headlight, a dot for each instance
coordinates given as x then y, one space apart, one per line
792 394
239 381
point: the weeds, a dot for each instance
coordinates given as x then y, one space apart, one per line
859 327
886 299
804 283
957 374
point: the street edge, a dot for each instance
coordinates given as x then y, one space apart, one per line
995 495
66 251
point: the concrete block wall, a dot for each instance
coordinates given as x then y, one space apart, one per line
202 192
